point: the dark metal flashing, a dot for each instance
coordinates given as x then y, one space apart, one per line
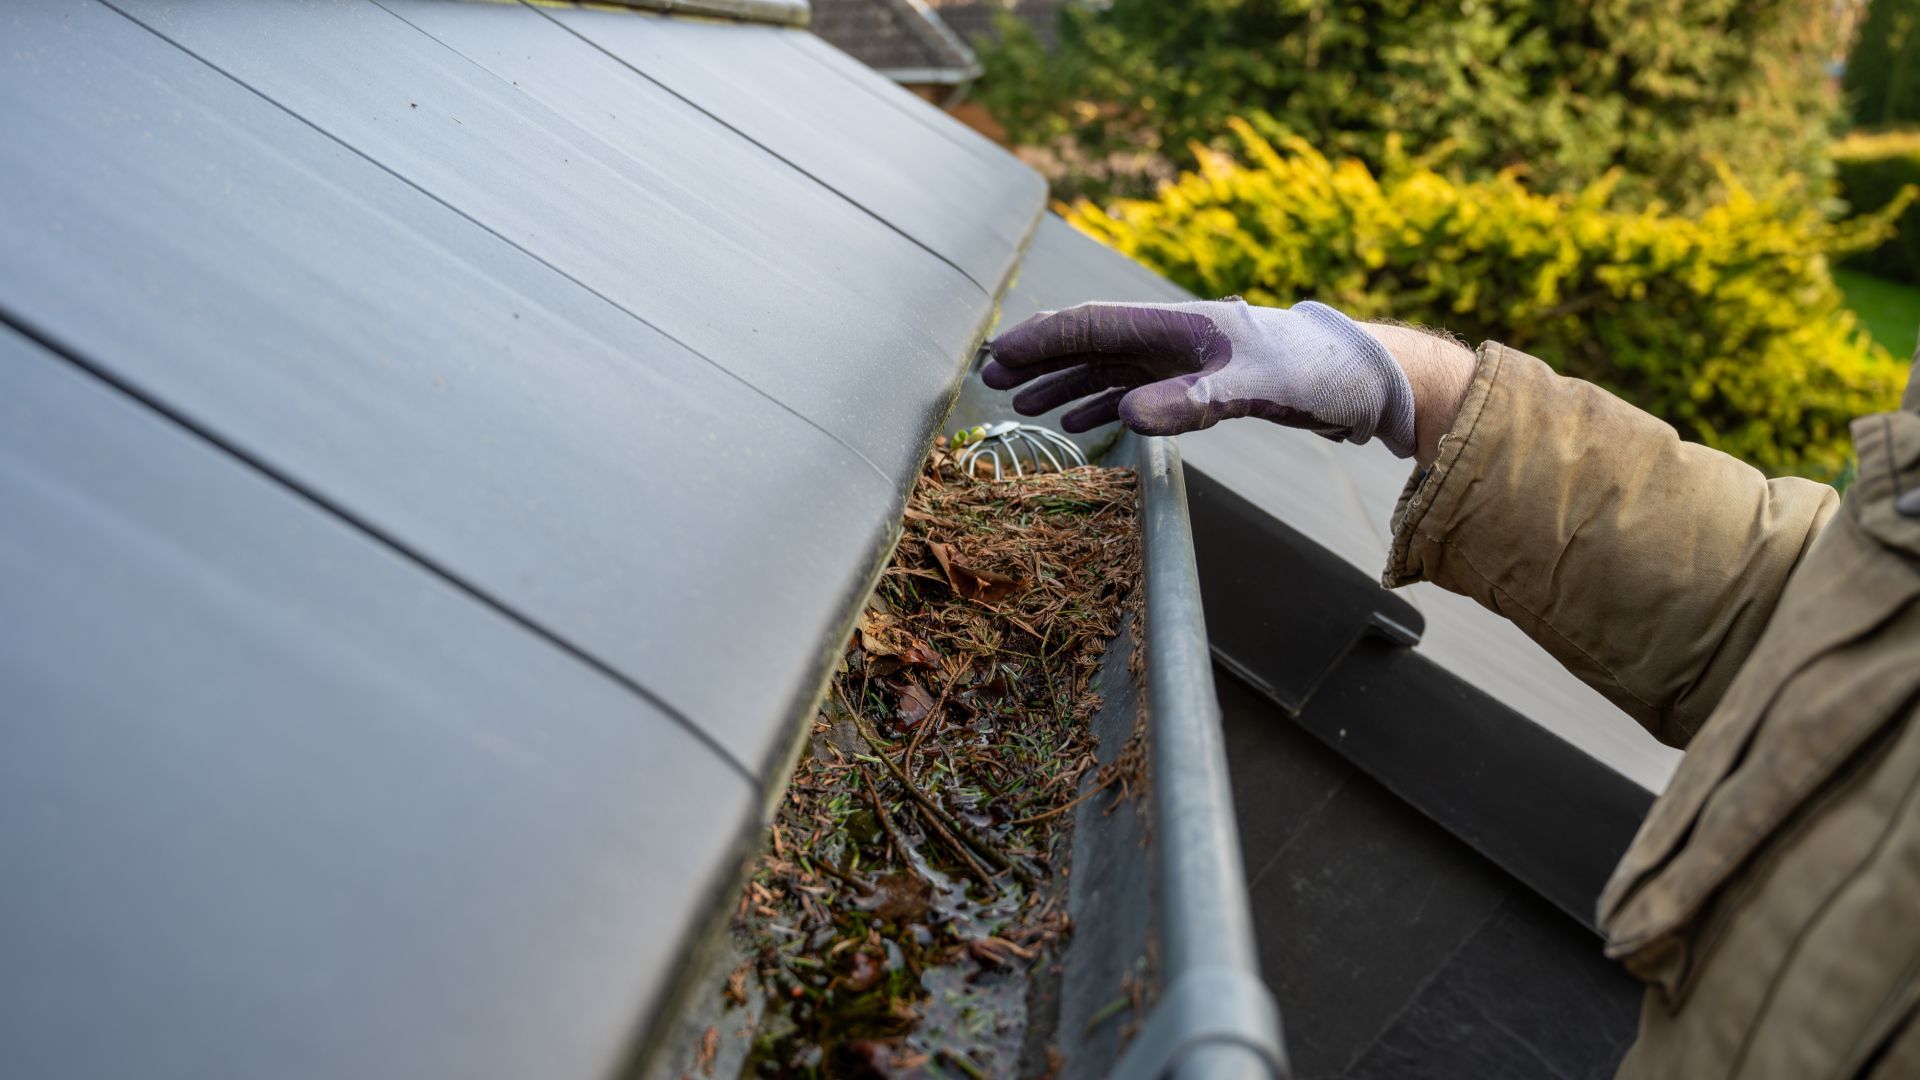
1285 619
1341 500
1335 651
1393 948
1555 818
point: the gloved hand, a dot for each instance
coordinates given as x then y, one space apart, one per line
1170 368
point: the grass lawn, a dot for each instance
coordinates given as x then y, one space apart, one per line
1891 309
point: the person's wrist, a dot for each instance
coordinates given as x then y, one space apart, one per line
1354 359
1439 370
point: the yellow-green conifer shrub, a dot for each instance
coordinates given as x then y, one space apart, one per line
1727 323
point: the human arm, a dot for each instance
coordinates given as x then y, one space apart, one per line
1648 566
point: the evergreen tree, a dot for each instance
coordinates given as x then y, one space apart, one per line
1883 74
1564 91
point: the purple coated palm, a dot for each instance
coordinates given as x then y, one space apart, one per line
1170 368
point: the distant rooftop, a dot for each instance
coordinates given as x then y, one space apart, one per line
905 40
974 19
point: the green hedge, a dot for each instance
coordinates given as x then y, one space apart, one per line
1873 169
1568 91
1727 324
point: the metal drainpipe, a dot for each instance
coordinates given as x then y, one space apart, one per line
1214 1018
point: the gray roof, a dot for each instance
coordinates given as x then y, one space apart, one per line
445 444
904 40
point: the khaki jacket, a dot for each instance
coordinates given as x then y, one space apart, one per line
1772 897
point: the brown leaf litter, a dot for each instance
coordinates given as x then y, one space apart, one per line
908 888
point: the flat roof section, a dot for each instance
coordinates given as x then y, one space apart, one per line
1342 498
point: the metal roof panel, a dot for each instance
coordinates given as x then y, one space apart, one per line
517 125
813 105
278 802
527 436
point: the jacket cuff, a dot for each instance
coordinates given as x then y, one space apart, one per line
1428 502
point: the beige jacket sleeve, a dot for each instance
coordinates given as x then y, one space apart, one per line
1647 565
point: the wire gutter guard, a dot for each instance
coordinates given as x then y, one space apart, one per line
1214 1018
778 12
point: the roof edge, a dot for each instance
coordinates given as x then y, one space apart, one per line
933 76
777 12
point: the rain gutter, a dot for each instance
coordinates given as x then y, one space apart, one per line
777 12
1214 1017
930 76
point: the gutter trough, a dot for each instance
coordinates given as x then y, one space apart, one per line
1154 887
1213 1016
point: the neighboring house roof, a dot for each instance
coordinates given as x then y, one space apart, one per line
901 39
975 19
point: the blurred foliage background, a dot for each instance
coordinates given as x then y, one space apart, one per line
1651 195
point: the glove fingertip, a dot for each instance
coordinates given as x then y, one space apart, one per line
1023 342
999 376
1162 408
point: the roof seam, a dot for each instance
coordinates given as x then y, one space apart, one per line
373 532
422 31
945 131
495 233
394 542
776 155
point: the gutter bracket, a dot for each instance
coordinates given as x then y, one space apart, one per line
1206 1005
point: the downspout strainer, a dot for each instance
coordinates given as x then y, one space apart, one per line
1011 446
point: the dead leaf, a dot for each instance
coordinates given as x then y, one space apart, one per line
866 973
882 635
709 1048
915 704
971 582
737 983
985 953
899 897
878 634
921 515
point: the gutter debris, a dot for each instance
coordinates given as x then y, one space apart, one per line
910 903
